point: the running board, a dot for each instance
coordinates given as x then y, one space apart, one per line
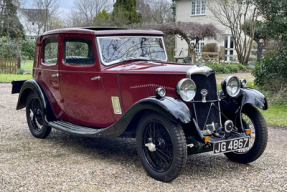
76 129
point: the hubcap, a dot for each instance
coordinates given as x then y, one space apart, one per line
31 115
151 147
35 114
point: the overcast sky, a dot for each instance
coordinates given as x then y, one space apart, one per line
64 4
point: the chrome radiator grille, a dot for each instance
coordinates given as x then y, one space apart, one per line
201 109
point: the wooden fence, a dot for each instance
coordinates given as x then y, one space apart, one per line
181 54
9 66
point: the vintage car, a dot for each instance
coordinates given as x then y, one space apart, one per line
108 82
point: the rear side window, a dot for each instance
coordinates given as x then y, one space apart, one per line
78 51
50 51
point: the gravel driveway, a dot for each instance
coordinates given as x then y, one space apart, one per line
69 163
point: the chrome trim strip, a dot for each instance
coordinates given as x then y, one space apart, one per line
195 113
207 101
202 70
219 112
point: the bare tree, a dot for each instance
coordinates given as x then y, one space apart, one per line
56 23
161 11
189 31
232 14
157 11
46 10
85 11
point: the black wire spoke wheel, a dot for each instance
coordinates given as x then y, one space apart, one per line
161 145
35 117
157 146
251 119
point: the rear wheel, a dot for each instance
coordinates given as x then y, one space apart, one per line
35 117
252 119
161 146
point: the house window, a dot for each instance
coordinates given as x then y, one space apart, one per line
199 46
198 7
229 45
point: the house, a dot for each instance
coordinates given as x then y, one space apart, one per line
197 11
32 20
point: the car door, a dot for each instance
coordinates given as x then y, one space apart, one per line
48 71
83 95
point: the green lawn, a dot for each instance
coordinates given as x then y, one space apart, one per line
11 77
28 64
276 115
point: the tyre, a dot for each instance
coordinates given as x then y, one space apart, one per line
161 145
35 117
252 119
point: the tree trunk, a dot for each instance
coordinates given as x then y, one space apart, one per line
259 50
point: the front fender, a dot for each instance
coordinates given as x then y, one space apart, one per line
232 107
253 97
167 106
247 96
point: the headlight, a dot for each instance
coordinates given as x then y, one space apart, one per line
231 86
186 88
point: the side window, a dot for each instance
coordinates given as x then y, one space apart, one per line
78 51
50 51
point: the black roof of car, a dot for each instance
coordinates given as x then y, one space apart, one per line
103 31
103 28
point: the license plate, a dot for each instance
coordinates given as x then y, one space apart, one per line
230 145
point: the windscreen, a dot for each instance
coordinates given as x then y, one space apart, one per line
117 49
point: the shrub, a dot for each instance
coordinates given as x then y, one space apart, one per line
271 73
20 71
210 47
225 68
28 49
8 48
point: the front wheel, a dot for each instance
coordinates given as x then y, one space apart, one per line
161 145
252 119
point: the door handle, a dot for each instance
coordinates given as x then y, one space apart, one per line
96 78
55 75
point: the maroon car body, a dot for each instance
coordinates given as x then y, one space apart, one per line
64 90
115 82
